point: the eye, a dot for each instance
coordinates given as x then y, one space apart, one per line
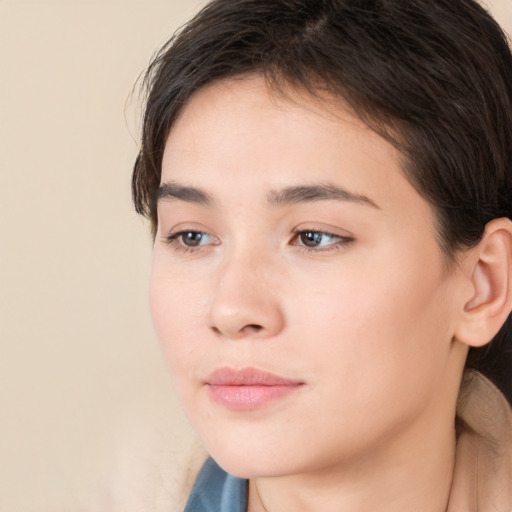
317 241
188 240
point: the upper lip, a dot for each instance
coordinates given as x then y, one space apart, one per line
247 377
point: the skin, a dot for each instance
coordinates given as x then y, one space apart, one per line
365 320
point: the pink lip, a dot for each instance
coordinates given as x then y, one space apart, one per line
248 388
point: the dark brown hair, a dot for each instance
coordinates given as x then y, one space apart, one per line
432 76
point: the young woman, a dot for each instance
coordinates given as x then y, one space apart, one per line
329 184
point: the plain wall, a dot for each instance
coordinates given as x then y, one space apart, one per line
88 418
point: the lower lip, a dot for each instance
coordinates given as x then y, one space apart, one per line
246 398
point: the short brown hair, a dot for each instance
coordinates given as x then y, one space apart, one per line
433 77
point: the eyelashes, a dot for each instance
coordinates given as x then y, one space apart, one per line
319 241
190 240
309 240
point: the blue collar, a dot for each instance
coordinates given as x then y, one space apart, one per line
217 491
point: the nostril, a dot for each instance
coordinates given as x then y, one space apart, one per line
245 330
253 328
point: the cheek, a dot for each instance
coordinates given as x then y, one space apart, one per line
388 331
176 311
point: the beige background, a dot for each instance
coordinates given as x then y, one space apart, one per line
88 420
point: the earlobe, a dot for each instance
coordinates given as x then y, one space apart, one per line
490 275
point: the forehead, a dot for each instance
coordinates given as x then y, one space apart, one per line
235 140
242 118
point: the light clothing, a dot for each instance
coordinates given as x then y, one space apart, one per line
482 479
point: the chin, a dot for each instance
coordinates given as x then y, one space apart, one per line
252 461
250 469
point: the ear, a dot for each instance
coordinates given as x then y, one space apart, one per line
489 271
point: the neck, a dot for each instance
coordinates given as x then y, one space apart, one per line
398 477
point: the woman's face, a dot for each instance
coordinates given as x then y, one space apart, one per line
298 290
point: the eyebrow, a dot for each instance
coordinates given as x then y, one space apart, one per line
317 192
286 196
171 190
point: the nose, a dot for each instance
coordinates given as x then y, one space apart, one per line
246 301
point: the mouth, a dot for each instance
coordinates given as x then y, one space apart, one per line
248 388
